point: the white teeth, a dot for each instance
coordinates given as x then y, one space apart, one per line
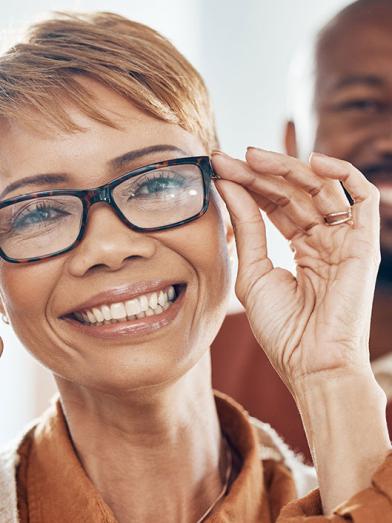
98 314
132 307
106 312
162 298
118 311
158 310
153 300
143 303
137 308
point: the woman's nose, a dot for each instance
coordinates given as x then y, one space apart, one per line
108 243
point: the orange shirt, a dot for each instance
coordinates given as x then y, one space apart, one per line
52 486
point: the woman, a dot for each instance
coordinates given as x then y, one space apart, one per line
115 276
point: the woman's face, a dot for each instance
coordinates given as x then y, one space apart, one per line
113 263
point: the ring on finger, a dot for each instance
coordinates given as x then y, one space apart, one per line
336 218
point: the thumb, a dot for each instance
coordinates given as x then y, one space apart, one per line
250 235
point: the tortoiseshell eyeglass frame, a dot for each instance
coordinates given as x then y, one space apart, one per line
103 193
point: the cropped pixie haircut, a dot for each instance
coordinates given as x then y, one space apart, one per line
40 74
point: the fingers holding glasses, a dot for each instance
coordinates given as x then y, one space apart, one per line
281 200
295 196
327 194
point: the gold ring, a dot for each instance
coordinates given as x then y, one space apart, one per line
336 218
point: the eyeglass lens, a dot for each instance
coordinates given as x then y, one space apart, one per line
43 226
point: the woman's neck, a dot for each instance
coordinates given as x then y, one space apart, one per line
155 455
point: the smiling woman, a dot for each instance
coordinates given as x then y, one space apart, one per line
115 275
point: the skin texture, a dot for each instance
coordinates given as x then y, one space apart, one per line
158 386
353 121
149 424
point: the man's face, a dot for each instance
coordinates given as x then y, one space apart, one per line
353 106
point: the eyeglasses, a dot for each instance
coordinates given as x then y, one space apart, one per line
155 197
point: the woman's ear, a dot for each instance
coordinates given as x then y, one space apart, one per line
230 240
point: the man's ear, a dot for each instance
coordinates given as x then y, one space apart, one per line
290 139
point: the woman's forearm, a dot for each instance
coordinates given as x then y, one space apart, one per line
344 419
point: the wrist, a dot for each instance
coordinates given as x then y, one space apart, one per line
331 400
344 419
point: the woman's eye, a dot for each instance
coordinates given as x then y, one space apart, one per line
158 185
39 215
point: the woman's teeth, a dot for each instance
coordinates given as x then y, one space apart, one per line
145 305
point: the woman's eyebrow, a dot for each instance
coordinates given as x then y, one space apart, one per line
115 164
47 179
124 159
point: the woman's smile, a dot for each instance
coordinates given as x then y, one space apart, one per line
126 312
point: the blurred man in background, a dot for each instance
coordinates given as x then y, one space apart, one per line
341 105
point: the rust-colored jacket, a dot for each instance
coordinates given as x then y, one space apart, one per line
42 480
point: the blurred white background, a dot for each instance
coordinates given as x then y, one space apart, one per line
243 49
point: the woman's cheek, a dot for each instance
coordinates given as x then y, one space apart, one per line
26 291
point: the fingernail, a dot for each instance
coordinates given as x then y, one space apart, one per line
316 155
218 152
329 162
321 158
255 148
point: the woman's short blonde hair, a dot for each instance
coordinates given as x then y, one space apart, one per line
40 73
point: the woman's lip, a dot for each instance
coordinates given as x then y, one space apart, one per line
133 328
123 293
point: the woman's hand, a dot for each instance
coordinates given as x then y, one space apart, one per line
314 327
318 320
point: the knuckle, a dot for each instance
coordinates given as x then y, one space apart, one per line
282 200
348 165
374 192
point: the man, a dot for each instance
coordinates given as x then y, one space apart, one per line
347 115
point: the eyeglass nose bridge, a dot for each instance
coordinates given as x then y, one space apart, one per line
101 194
